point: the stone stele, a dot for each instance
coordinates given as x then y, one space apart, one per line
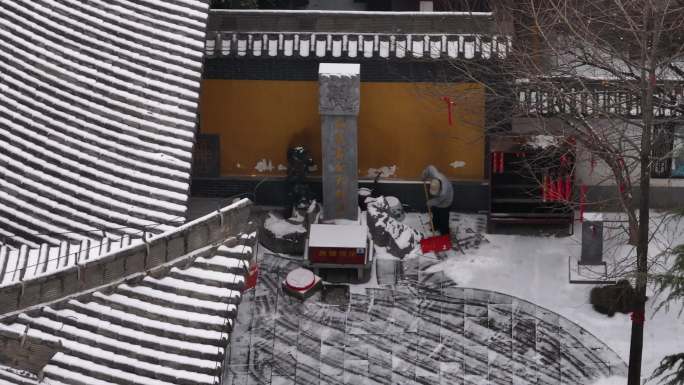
339 99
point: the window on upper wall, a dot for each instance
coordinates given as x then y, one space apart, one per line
206 159
462 6
668 151
677 166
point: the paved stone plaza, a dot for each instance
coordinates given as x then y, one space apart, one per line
422 330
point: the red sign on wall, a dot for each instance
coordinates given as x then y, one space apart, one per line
341 256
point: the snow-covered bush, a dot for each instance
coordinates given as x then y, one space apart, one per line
399 239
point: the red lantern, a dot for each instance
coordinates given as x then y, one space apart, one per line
583 194
638 317
545 188
252 275
552 189
449 103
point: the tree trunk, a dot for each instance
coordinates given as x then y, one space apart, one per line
638 315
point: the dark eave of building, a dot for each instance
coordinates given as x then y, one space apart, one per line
598 97
361 22
354 35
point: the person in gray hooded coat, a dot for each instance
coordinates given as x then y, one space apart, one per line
441 197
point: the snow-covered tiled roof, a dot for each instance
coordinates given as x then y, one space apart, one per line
167 329
25 263
98 104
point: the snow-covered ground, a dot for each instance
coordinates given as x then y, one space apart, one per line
532 268
536 269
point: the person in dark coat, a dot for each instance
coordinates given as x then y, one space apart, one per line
441 195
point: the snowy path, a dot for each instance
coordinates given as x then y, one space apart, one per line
536 269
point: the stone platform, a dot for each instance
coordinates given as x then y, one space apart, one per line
422 331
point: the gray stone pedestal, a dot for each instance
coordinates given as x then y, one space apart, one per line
592 240
339 108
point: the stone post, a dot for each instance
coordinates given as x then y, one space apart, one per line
339 108
592 240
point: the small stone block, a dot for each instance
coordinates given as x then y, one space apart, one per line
157 254
175 248
31 294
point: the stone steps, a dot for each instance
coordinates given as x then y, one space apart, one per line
124 363
172 329
105 373
223 264
9 378
194 290
146 325
241 251
160 313
147 355
132 336
64 376
208 277
178 302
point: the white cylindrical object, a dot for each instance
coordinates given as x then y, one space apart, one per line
300 279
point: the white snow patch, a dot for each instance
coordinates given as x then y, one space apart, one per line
173 283
379 252
340 69
300 278
226 278
282 167
593 217
387 171
542 141
536 269
128 302
238 249
392 201
125 317
223 262
169 158
349 236
281 227
201 305
457 164
613 380
403 235
264 165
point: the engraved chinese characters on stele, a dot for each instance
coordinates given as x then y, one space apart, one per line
339 95
339 106
339 167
